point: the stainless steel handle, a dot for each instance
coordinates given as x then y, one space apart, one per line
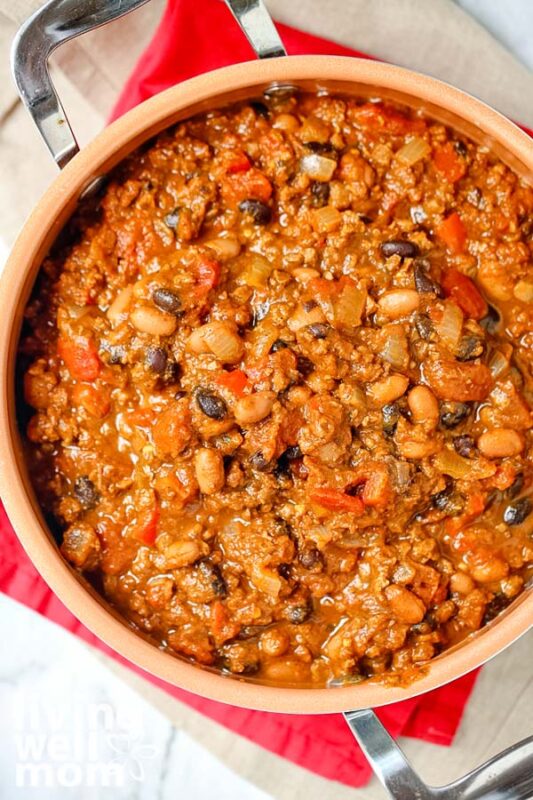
256 24
54 23
507 776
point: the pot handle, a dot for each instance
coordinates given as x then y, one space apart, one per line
256 24
56 22
508 775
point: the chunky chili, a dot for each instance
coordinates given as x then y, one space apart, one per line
280 374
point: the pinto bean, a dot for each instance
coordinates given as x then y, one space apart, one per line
388 389
150 320
253 407
399 302
423 405
209 470
405 605
500 443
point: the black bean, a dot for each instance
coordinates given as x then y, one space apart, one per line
304 365
465 446
491 321
365 219
498 603
260 212
516 512
309 305
460 148
259 312
171 220
116 353
214 576
258 462
180 394
156 359
318 329
167 300
469 347
293 453
310 557
452 414
260 108
320 193
279 344
170 374
516 486
424 326
448 501
391 415
321 147
85 492
285 571
211 404
399 247
298 614
423 282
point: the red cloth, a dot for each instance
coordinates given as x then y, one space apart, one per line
184 45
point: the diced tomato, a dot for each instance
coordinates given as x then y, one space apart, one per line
236 381
504 477
237 162
207 274
474 507
141 418
323 288
93 398
453 233
379 117
80 356
337 500
449 162
249 185
465 293
145 529
222 627
377 487
179 492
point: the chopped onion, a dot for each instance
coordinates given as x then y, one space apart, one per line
451 463
225 247
266 581
450 326
302 318
414 150
325 220
498 364
395 350
223 342
318 167
348 309
256 271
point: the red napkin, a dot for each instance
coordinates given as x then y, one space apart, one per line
191 40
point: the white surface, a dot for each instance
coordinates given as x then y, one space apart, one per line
67 721
510 21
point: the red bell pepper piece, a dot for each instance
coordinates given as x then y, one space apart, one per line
337 500
465 293
207 274
448 162
80 356
236 381
453 233
145 529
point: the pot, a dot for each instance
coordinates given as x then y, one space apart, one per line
511 773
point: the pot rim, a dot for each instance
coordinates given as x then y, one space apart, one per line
45 222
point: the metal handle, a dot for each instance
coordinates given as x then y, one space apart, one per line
256 24
56 22
507 776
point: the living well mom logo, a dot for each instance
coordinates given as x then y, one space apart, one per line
91 744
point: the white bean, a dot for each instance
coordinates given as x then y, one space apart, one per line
253 407
209 469
150 320
399 302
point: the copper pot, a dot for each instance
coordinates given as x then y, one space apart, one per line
60 20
